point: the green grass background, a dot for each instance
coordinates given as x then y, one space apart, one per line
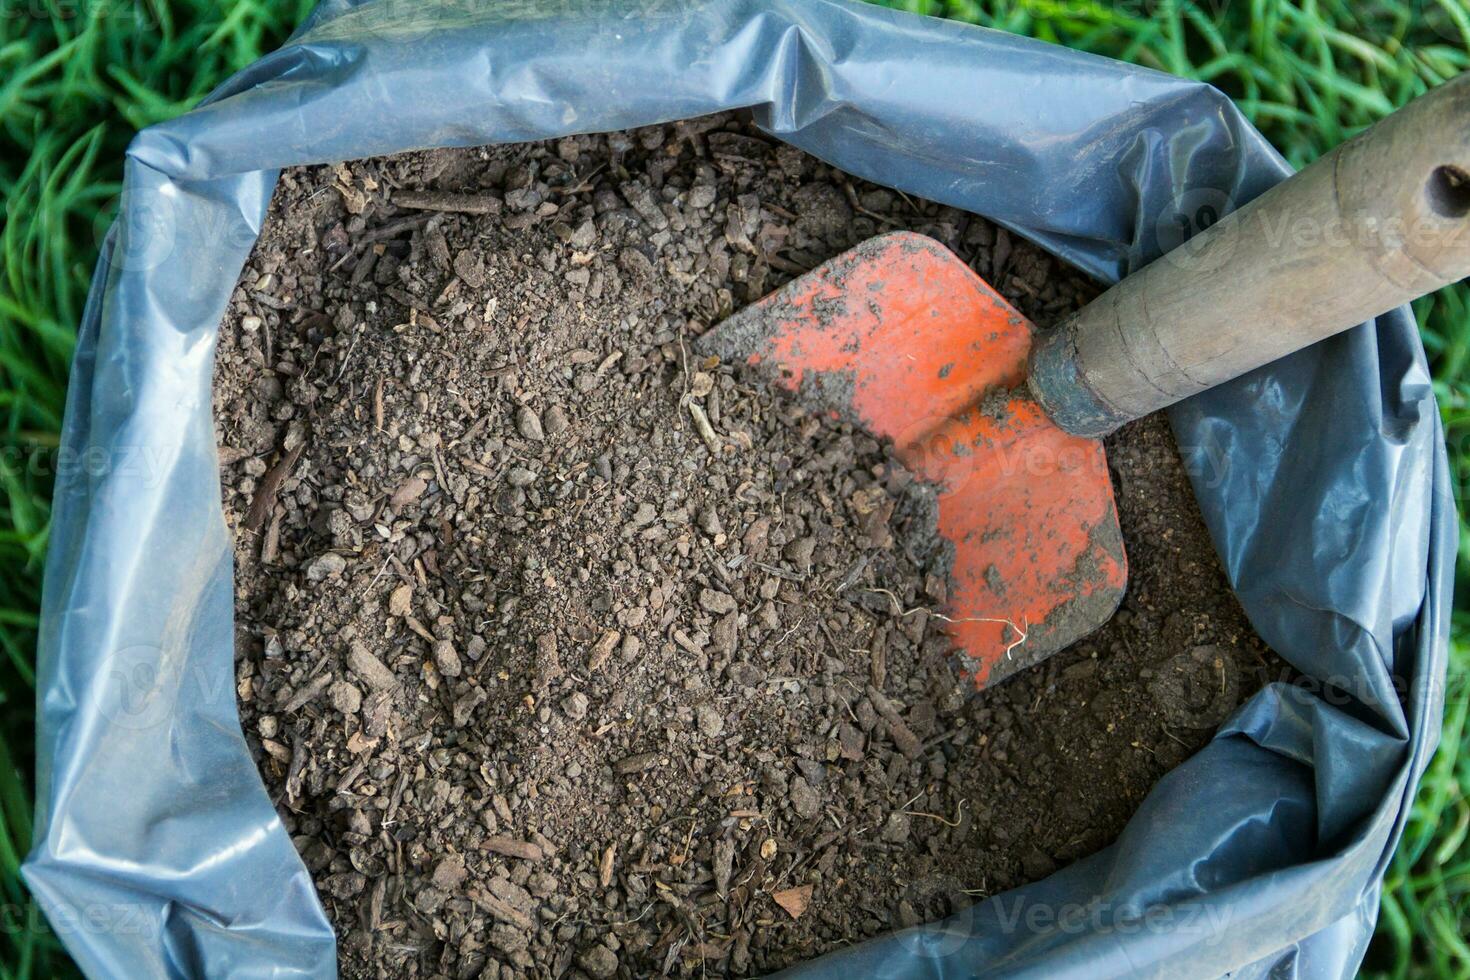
78 77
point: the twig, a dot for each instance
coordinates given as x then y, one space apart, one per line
958 813
347 356
684 366
904 613
378 234
583 184
787 634
448 201
265 491
857 206
705 430
779 572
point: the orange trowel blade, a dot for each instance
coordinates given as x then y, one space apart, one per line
899 336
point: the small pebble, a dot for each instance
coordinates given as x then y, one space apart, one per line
711 723
528 423
575 706
446 658
329 565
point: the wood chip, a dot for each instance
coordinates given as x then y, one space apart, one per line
358 743
603 649
878 664
687 643
724 862
230 455
381 233
270 545
420 629
412 489
440 474
605 869
501 909
308 692
510 847
903 737
264 500
705 430
372 670
448 201
793 900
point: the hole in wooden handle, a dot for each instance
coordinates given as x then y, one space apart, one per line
1448 191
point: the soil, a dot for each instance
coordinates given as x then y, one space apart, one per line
546 676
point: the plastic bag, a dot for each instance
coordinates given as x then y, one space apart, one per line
158 852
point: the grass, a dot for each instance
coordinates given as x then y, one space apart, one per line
78 77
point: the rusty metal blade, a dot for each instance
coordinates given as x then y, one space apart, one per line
899 336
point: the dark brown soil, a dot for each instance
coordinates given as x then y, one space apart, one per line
543 682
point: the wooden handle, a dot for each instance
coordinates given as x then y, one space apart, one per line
1381 220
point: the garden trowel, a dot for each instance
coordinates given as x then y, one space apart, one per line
899 336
